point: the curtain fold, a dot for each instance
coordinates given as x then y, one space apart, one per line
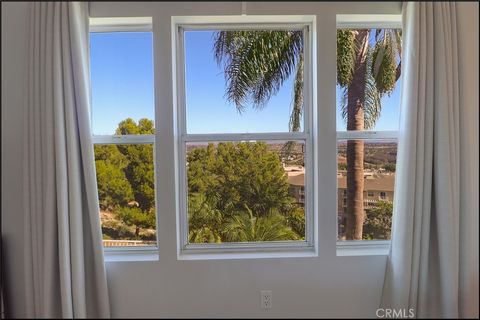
423 267
65 272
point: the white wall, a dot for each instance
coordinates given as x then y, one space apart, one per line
326 286
301 287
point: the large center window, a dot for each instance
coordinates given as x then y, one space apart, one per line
244 135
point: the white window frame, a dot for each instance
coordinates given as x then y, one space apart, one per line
180 24
359 21
127 24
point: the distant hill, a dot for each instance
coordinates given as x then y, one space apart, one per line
377 152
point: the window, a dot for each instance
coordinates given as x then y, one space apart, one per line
245 173
242 160
121 57
368 77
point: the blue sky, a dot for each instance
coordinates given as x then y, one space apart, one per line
121 68
122 87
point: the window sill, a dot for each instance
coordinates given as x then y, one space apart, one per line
246 253
344 248
363 248
130 254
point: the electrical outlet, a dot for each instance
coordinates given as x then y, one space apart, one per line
266 299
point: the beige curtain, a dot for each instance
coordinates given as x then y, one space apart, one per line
65 272
425 274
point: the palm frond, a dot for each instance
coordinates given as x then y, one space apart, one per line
245 226
235 51
273 227
380 51
280 63
256 63
386 53
372 106
346 50
397 40
203 235
396 36
344 104
382 72
238 228
296 114
378 34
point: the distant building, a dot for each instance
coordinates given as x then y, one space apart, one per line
378 186
296 179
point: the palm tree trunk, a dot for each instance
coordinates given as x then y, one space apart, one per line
355 186
355 148
137 232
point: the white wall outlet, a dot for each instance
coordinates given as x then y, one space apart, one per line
266 299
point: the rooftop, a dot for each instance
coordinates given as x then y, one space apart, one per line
373 181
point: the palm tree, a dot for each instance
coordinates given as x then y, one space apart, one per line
256 63
204 220
366 73
245 226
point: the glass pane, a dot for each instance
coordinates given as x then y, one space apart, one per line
246 191
369 78
126 194
365 185
121 79
250 88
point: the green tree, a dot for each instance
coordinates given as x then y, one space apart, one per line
113 187
296 221
378 221
239 174
205 221
226 179
140 170
125 174
390 167
247 226
133 216
256 63
110 154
